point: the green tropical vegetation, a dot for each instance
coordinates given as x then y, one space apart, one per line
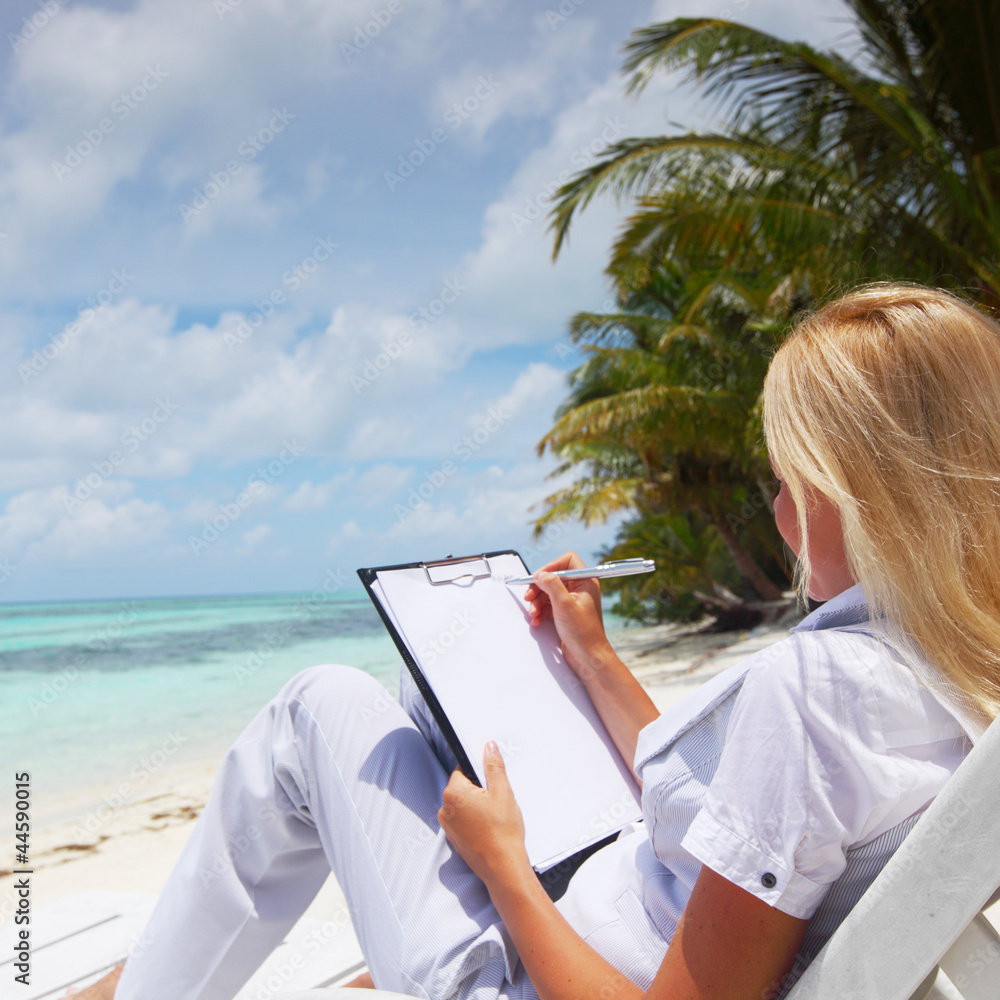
830 171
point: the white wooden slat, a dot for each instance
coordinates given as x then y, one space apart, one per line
314 953
942 875
77 939
77 911
972 963
941 989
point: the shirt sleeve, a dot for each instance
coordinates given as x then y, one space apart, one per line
802 769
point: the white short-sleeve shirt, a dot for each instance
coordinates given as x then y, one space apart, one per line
813 746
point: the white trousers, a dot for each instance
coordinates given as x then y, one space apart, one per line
331 774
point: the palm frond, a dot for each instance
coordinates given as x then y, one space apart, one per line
590 501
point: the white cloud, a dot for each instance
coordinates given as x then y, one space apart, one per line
489 502
256 535
183 86
381 481
40 524
515 293
309 496
235 191
471 101
132 396
199 509
155 401
538 387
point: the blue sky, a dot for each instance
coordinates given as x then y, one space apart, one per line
277 297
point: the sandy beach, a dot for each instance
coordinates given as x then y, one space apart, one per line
95 841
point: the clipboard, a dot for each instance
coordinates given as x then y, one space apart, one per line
486 673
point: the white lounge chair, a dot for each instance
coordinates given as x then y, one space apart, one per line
919 931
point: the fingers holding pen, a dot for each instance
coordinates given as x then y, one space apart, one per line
539 605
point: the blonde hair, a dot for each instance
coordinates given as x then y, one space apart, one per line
887 401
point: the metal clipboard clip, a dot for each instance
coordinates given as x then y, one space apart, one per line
459 578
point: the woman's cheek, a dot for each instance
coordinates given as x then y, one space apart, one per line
786 519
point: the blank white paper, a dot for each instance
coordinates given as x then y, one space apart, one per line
498 678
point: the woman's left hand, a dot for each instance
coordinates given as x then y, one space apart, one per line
484 824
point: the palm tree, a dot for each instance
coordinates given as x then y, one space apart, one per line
888 164
830 171
658 415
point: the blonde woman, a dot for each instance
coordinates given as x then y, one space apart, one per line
771 797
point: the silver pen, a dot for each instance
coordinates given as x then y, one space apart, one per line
620 567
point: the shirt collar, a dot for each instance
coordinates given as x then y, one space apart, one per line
848 608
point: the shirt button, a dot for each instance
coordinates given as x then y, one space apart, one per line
768 881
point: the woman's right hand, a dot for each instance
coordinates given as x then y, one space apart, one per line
575 608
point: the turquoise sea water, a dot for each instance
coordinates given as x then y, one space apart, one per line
97 691
93 692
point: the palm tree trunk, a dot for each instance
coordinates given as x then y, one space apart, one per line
746 563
